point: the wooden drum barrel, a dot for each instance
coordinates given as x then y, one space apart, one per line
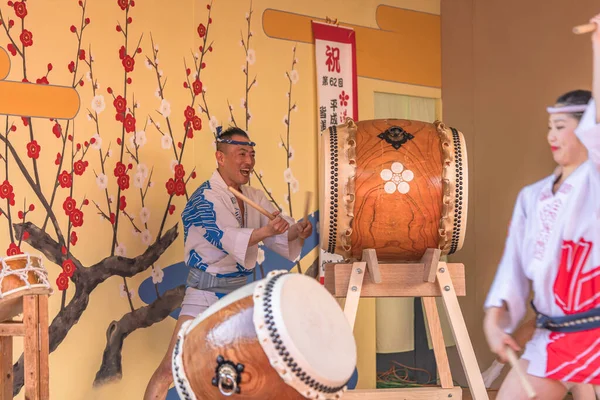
281 338
396 186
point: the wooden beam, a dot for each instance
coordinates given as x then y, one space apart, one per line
433 393
397 280
12 328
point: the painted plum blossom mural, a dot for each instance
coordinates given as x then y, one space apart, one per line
107 179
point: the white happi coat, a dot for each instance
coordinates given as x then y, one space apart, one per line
215 237
554 242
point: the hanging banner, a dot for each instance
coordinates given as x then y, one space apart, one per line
335 57
337 99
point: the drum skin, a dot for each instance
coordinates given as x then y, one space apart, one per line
230 333
396 186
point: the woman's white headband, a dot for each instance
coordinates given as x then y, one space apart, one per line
567 109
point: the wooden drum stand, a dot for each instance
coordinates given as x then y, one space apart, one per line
428 279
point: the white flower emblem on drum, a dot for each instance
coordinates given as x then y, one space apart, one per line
397 178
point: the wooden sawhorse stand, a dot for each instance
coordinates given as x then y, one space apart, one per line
33 303
428 279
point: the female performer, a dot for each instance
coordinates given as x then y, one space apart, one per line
554 243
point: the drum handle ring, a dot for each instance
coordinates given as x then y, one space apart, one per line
228 376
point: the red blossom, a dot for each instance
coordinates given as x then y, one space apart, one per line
123 4
73 28
6 190
122 52
179 187
33 149
31 207
197 86
190 133
62 282
201 30
13 128
76 218
13 250
203 65
82 54
69 205
72 66
26 38
197 123
63 250
20 215
122 203
120 104
42 81
25 235
128 63
58 158
112 218
123 182
68 266
129 123
20 9
120 169
57 130
65 179
49 67
179 171
11 23
189 113
79 167
74 238
87 21
171 209
193 175
170 187
25 121
12 49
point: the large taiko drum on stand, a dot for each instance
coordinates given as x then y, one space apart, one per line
396 186
283 337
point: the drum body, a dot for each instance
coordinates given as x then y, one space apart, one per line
396 186
283 337
20 275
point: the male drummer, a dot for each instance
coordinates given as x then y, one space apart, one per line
221 237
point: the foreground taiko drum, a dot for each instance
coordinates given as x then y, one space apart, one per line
396 186
19 275
283 337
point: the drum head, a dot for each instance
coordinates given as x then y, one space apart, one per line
305 334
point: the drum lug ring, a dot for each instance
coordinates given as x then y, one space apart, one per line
228 376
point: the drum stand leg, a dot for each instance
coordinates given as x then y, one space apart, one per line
34 329
435 281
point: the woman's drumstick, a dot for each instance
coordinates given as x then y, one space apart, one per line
580 29
251 203
514 362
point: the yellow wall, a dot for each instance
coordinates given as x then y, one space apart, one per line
173 28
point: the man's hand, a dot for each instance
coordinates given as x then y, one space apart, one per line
277 226
304 229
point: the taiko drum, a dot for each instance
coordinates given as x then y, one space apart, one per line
397 186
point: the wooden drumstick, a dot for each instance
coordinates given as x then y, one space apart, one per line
251 203
514 362
307 205
580 29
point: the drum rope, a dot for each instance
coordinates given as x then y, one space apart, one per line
23 274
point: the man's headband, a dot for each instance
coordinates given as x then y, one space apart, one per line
230 141
567 109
